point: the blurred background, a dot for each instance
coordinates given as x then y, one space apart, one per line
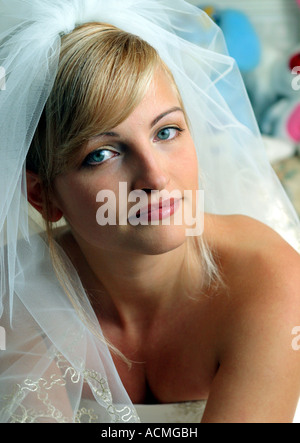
264 38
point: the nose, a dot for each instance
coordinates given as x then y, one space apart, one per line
150 169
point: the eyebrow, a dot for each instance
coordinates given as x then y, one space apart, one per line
164 114
155 121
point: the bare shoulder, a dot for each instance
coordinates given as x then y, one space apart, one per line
244 231
246 244
258 377
261 270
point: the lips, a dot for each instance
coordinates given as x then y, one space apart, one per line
156 206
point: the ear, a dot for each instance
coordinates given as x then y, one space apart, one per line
35 197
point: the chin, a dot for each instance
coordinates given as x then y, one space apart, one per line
159 240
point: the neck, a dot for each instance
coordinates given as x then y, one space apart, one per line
127 287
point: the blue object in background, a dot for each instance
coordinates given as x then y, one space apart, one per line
240 35
241 38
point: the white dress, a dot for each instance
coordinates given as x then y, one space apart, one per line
185 412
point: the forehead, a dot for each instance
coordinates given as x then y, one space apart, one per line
161 89
160 96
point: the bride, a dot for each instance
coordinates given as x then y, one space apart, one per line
104 317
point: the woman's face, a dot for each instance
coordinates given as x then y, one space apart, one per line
152 150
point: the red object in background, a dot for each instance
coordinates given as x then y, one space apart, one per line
295 61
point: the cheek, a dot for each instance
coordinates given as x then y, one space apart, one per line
186 166
77 200
194 163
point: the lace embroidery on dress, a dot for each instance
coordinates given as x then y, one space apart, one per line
46 411
85 415
100 388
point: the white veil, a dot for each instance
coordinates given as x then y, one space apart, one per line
50 352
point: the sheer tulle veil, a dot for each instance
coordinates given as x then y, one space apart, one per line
50 351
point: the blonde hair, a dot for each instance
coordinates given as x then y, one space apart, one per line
103 74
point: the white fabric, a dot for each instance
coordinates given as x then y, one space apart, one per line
184 412
50 351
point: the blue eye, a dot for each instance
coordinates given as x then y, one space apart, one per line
168 133
98 157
